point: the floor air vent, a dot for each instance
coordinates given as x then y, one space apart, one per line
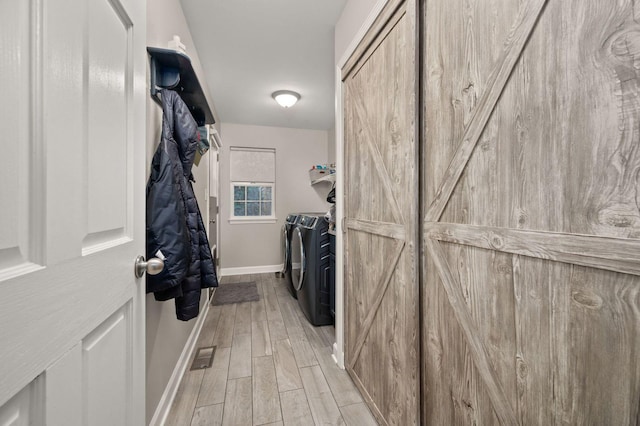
203 358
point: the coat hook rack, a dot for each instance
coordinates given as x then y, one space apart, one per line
173 70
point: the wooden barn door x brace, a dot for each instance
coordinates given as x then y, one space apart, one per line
529 287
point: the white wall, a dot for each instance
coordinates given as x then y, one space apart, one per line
166 336
259 245
353 15
332 145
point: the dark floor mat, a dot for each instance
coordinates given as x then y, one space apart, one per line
235 293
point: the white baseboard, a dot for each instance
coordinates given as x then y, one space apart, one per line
162 410
243 270
338 357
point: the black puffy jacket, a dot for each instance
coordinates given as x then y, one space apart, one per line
175 231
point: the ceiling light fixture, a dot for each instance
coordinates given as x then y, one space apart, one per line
286 98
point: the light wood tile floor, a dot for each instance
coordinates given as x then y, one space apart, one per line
271 367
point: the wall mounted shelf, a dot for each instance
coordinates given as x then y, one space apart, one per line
326 178
173 70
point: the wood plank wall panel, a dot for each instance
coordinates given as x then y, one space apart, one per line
381 286
515 338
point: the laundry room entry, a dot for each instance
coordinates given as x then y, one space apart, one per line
264 177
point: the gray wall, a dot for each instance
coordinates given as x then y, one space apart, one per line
255 245
166 336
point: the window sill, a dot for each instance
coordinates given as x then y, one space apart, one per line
252 220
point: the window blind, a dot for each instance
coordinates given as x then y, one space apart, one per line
253 164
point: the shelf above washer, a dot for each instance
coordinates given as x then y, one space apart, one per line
326 178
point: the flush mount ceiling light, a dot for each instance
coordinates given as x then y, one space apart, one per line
286 98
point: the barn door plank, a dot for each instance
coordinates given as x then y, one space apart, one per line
379 292
531 288
514 46
501 405
613 254
381 217
378 163
391 230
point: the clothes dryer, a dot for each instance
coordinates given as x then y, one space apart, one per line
287 232
311 268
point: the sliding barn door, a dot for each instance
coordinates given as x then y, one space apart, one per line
381 188
531 296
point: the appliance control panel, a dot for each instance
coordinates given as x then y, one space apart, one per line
308 221
292 218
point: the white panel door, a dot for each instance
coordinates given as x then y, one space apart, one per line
72 178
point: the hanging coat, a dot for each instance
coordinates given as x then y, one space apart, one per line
175 230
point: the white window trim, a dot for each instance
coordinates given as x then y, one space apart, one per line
252 220
236 220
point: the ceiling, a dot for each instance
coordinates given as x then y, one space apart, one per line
251 48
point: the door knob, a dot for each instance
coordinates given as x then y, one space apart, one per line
152 266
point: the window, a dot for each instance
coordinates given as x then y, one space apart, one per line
252 185
251 199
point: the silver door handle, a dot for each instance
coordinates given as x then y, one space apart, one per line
152 267
212 221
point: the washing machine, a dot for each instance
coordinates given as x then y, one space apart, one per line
287 231
311 267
